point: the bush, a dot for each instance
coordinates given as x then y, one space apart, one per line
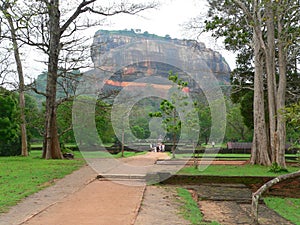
10 143
275 168
10 149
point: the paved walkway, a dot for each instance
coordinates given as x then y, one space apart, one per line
80 199
40 201
99 203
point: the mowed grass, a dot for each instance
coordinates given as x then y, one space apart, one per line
231 170
104 154
23 176
288 208
190 210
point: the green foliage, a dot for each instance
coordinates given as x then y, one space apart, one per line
223 23
275 168
34 118
204 122
67 81
236 129
140 120
226 19
103 124
64 122
65 149
292 116
9 124
138 132
168 112
133 33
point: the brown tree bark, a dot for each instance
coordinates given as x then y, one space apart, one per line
13 32
281 92
269 49
259 151
51 148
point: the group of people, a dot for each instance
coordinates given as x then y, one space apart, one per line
160 147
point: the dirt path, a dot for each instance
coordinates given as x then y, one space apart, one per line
160 207
81 199
99 203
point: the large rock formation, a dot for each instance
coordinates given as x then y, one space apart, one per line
105 41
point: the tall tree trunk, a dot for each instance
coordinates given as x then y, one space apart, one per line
259 151
51 143
24 151
271 79
281 124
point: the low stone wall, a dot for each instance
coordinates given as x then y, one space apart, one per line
287 188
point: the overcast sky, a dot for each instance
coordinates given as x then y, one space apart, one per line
168 18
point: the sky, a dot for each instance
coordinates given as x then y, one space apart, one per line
169 18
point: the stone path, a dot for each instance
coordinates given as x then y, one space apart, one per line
231 204
160 206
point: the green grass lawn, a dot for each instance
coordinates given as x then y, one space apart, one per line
288 208
23 176
230 170
228 156
104 154
217 156
190 210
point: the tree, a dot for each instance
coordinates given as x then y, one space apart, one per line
171 119
204 122
7 10
9 124
236 128
271 29
55 29
292 115
34 119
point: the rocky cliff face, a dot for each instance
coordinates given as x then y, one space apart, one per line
105 41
